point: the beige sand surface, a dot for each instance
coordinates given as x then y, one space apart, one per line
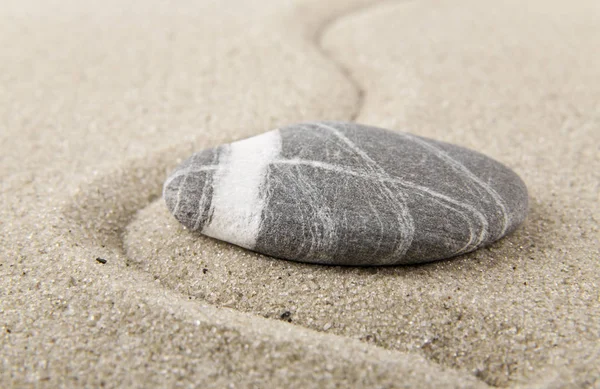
99 100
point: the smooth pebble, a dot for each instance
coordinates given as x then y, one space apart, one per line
347 194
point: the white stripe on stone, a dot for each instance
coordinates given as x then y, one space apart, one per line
238 197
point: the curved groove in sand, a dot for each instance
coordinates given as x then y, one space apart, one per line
321 32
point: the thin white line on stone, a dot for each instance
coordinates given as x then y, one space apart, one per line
204 198
189 170
462 168
181 186
238 196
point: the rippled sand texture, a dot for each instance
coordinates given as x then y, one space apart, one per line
99 100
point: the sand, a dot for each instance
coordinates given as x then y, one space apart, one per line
99 100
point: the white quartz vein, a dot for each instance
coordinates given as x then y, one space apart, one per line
238 197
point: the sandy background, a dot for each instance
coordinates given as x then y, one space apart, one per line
99 100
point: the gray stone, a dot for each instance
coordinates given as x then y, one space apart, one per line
347 194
